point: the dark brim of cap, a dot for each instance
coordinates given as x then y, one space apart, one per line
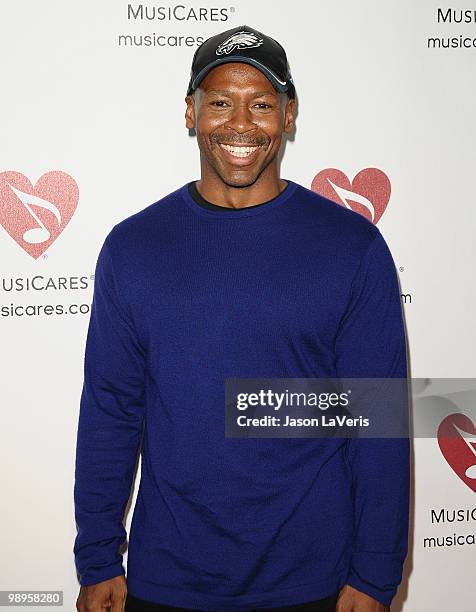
277 83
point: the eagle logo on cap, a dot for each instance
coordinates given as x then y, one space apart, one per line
239 40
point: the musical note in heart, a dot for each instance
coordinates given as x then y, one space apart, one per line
36 235
347 196
367 194
470 442
459 451
35 216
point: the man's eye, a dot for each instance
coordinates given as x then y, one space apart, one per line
263 105
219 103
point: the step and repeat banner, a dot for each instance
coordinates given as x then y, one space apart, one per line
93 130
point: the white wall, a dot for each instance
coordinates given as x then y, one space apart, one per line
108 122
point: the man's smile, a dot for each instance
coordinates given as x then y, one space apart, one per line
239 154
240 150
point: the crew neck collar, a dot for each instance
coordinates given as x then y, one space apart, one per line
243 212
199 199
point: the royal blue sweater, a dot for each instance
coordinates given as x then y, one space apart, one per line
185 297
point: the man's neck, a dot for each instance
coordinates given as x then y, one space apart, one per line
214 190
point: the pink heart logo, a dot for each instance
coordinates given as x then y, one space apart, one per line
459 452
35 216
368 194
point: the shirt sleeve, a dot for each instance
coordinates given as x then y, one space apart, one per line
371 344
109 429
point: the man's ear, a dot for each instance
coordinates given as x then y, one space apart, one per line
190 112
289 115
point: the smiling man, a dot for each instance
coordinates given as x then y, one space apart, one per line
240 274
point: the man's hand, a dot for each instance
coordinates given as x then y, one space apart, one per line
352 600
103 595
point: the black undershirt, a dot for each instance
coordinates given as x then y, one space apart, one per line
199 199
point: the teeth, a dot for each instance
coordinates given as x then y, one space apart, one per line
239 151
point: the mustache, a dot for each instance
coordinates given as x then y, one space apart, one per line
231 139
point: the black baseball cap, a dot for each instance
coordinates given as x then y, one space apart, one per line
247 45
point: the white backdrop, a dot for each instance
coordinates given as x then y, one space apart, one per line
107 120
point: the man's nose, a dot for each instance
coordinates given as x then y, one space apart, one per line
241 119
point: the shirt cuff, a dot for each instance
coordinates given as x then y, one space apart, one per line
376 574
94 575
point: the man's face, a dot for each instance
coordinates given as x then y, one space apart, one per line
239 119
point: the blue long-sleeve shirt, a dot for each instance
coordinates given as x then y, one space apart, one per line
185 297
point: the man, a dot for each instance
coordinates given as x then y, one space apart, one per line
240 274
